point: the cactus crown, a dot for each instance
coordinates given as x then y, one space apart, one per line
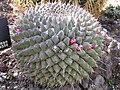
57 44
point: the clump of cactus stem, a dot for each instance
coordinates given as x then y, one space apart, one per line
57 44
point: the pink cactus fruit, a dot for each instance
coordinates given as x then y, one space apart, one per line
19 30
79 47
89 46
73 41
95 46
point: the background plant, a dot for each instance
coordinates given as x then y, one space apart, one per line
112 12
110 19
94 6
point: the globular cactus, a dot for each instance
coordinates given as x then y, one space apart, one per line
57 44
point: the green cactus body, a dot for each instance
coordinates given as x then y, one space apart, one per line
52 43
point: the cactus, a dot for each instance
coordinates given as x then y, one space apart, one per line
93 6
57 44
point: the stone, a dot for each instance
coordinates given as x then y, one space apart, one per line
1 80
85 83
3 67
6 51
99 82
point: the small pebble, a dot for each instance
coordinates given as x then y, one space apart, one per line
15 74
1 80
3 67
3 86
15 87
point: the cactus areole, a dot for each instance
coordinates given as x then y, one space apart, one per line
57 44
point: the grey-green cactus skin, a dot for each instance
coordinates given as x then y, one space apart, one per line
44 46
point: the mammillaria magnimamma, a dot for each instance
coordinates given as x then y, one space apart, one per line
57 44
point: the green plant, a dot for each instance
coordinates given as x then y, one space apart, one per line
110 82
57 44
